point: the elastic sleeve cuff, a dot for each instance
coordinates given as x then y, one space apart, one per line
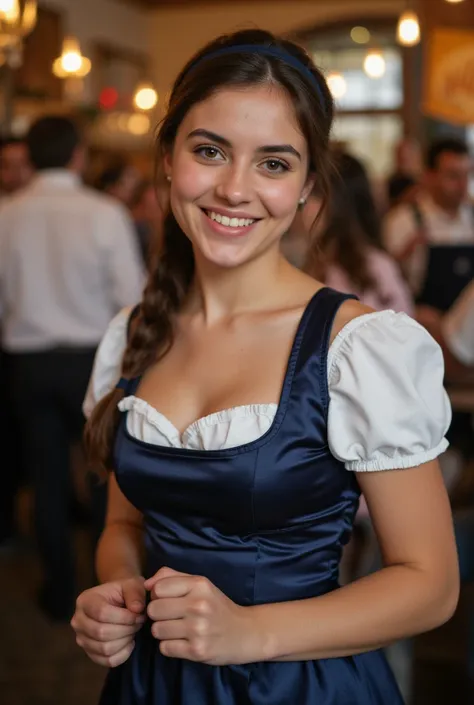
399 463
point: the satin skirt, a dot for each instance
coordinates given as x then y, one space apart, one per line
148 678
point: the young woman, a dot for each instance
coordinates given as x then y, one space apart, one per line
347 254
253 404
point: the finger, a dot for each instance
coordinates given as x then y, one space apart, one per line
171 629
103 612
103 648
104 632
163 573
166 608
179 648
134 595
113 661
172 587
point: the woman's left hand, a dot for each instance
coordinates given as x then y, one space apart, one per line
194 620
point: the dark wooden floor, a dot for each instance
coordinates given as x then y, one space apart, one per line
40 663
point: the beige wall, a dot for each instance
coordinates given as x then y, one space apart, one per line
105 20
176 33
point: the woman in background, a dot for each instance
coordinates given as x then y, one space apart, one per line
347 253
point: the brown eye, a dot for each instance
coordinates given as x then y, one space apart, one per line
276 166
208 152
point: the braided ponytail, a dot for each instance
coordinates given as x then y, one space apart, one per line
150 337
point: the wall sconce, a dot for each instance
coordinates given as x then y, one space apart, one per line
408 29
71 63
17 20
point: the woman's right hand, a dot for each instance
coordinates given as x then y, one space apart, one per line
106 619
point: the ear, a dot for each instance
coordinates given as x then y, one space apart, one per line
309 186
167 164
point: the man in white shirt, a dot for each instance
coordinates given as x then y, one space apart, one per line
68 263
442 216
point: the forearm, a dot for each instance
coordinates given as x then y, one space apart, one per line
393 603
120 552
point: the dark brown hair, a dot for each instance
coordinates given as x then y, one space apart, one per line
352 226
151 335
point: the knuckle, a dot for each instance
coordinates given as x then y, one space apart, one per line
100 632
107 649
199 649
202 583
201 607
80 641
200 627
100 612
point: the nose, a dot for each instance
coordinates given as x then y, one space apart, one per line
234 185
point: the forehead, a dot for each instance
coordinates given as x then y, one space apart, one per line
256 116
14 151
451 160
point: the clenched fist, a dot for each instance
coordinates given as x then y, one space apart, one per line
194 620
106 619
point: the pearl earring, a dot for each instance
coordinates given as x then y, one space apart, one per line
302 202
168 178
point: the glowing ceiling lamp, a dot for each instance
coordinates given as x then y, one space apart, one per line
374 64
17 19
145 97
408 29
71 63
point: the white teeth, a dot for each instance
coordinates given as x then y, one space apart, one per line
230 222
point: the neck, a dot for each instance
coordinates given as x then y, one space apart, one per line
452 211
221 293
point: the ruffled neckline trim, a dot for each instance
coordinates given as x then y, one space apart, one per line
199 428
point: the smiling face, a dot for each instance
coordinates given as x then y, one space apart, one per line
239 166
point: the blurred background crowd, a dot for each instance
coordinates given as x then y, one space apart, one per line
80 225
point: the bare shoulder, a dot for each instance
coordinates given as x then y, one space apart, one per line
347 312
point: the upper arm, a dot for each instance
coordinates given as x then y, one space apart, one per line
119 509
393 283
458 327
398 229
347 311
411 515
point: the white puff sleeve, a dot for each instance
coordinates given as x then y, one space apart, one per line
387 405
107 362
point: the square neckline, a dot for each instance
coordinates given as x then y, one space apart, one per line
277 420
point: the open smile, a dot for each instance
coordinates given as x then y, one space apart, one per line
229 225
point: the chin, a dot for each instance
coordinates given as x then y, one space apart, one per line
223 254
226 260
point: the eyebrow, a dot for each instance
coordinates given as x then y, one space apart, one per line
266 149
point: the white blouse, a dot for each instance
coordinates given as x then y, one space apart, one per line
387 410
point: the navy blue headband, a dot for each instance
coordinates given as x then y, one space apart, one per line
267 51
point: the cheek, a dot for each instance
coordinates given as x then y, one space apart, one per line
281 199
190 180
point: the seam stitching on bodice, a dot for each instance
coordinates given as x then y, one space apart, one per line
254 526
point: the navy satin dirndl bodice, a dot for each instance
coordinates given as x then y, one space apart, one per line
265 522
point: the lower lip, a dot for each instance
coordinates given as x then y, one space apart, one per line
226 230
